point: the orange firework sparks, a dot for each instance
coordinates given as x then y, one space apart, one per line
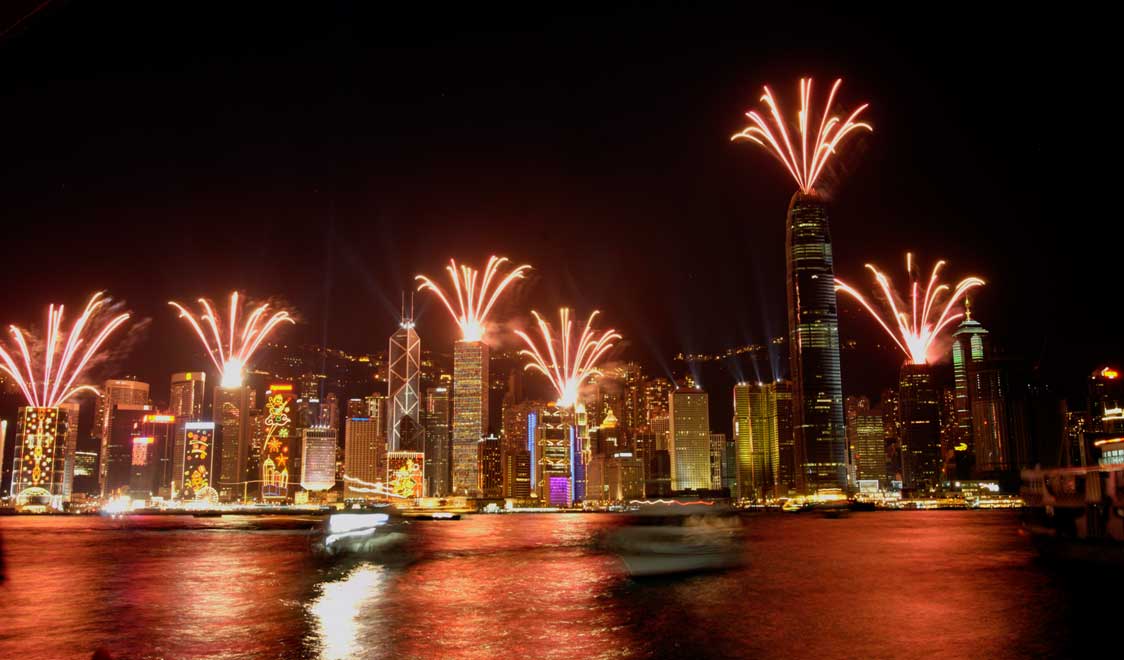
475 294
56 382
917 330
230 359
570 362
804 167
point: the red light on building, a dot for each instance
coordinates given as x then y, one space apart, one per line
1110 373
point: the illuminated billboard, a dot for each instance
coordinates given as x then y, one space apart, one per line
141 449
275 446
197 460
405 473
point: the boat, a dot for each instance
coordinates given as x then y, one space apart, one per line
359 532
1076 514
668 537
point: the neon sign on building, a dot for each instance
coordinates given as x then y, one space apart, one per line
275 446
197 460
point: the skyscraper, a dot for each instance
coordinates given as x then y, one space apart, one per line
470 412
865 433
318 458
786 469
70 445
232 406
757 427
438 451
403 373
743 441
717 460
114 392
185 401
39 458
127 419
969 350
362 439
920 410
552 456
489 455
689 439
813 341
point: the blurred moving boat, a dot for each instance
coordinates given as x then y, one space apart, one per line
359 531
670 536
1076 514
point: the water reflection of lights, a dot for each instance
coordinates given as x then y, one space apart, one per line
336 612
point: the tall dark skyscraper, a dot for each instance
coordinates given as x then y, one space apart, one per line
813 334
969 350
920 409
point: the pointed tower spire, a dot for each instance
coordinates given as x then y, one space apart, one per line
967 308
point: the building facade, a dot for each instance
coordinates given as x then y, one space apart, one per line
813 343
689 439
470 413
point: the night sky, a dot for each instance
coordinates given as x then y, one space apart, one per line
327 153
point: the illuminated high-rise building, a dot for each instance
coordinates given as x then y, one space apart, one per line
232 406
786 440
517 473
689 439
756 429
118 459
363 438
437 450
330 411
717 460
743 442
920 410
867 442
150 461
969 350
656 395
490 458
39 455
188 389
278 433
85 473
185 401
114 393
552 455
892 433
318 458
198 462
813 343
470 412
403 373
70 443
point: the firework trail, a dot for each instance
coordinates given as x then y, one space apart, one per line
567 362
916 329
231 357
475 294
805 168
56 383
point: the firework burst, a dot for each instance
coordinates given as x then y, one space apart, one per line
232 356
63 360
476 294
805 167
568 361
929 312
